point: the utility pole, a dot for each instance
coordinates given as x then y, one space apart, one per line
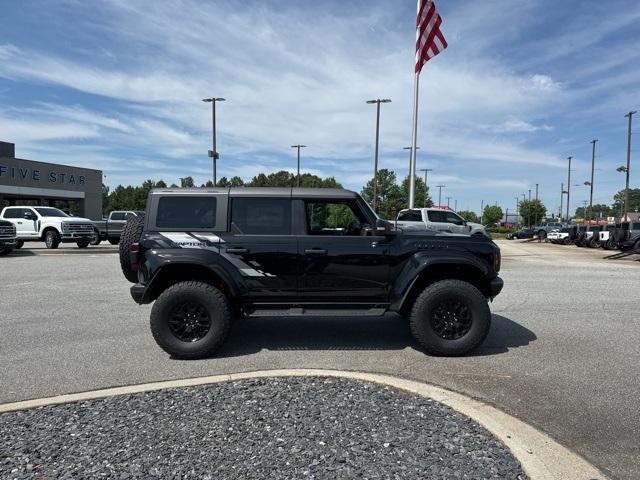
535 219
568 186
517 209
626 188
455 208
448 200
440 194
426 189
481 211
561 198
298 147
529 213
377 101
214 152
593 163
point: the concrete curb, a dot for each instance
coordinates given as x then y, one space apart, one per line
542 458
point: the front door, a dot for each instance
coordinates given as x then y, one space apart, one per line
340 260
261 248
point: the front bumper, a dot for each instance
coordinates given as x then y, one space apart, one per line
495 287
7 242
75 237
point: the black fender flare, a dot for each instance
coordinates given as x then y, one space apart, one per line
420 264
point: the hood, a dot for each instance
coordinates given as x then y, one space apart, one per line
68 219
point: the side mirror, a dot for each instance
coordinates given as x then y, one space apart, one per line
385 228
29 216
366 230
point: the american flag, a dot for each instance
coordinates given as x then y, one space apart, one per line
429 39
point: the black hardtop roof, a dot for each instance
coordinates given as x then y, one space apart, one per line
262 191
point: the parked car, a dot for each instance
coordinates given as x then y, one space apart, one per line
566 235
581 235
205 256
438 220
605 235
524 233
49 225
618 236
111 227
542 231
630 240
592 236
553 236
7 237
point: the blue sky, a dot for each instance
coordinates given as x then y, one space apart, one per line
118 86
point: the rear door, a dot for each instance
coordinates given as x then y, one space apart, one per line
24 228
342 259
261 246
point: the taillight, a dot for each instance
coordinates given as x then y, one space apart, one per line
134 249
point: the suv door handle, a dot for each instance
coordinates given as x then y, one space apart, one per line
315 251
237 250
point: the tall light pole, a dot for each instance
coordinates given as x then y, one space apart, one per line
448 200
568 186
626 188
440 187
482 211
455 208
562 192
426 188
535 218
377 101
298 147
214 153
517 210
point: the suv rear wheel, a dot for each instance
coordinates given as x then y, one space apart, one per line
191 320
450 318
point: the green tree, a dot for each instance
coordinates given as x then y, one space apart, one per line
492 214
532 211
419 193
469 216
389 194
634 201
186 182
598 211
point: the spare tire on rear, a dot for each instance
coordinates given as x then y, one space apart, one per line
131 233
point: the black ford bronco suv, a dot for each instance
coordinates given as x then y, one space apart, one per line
209 256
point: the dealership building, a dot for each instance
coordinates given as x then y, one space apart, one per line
37 183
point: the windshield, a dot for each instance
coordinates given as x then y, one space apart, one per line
50 212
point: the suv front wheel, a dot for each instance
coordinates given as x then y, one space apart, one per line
191 320
450 318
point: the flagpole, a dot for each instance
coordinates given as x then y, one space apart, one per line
414 139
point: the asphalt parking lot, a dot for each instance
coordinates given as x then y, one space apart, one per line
562 353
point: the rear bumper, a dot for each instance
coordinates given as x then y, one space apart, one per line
495 286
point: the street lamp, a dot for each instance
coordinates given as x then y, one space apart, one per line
298 147
214 153
377 101
448 201
628 167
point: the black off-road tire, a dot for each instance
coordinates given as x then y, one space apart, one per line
131 233
52 239
214 302
5 251
96 238
19 244
83 243
421 317
114 241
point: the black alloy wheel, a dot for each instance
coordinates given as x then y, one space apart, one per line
189 321
451 319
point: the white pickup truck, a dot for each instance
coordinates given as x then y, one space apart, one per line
49 225
439 220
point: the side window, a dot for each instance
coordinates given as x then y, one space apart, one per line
261 216
435 216
410 216
450 217
189 211
118 216
334 218
635 226
13 213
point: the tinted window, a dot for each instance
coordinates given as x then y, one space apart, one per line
51 212
635 226
410 216
334 218
186 212
451 217
14 213
117 216
435 216
261 216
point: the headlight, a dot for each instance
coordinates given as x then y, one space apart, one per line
64 226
